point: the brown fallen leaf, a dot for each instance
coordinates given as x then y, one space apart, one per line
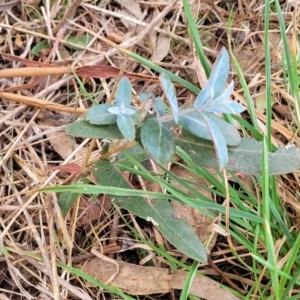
90 211
162 47
139 280
201 224
62 143
284 111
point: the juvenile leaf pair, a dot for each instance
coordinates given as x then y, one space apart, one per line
122 112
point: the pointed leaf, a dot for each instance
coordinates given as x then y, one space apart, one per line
217 79
159 106
158 141
191 120
66 201
145 96
126 126
227 108
83 128
221 151
99 115
224 103
176 230
123 93
170 93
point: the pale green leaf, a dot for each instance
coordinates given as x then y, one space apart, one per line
145 96
170 93
221 151
217 80
99 115
123 92
117 110
191 120
159 106
126 126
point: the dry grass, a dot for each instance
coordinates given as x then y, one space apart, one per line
33 234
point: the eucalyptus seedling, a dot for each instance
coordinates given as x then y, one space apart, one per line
200 129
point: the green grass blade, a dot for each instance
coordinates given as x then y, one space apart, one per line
291 262
195 36
189 280
267 228
268 74
290 61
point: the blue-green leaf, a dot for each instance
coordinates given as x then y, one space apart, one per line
170 93
223 104
194 123
99 115
145 96
191 120
217 80
221 150
123 93
159 106
126 126
158 141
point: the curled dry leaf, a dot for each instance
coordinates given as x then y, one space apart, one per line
140 280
